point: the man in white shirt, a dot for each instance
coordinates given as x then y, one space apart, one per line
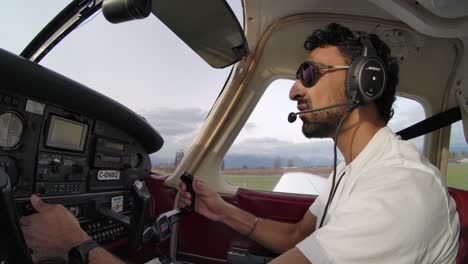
385 203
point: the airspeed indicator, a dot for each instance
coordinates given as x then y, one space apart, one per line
11 130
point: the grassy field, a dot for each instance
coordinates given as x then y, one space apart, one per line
457 175
266 179
255 182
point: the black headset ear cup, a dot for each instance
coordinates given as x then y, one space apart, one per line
373 79
367 74
366 80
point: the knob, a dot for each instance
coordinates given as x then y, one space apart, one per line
54 164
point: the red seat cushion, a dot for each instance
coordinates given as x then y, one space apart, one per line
461 199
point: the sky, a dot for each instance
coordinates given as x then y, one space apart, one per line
144 66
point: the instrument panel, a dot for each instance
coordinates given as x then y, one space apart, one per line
69 158
73 146
51 151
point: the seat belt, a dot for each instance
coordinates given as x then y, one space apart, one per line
430 124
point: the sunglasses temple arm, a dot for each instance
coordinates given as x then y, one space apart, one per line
338 67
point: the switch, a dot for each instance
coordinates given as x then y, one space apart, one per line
54 165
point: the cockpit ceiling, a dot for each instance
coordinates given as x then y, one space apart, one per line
426 63
446 8
441 14
261 13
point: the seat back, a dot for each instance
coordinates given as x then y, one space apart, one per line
461 199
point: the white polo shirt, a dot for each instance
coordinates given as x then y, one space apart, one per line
392 206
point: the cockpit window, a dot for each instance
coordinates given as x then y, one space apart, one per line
271 154
21 21
457 161
146 67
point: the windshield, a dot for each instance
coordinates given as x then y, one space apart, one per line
141 64
21 20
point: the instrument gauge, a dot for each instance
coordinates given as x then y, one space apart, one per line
136 160
11 129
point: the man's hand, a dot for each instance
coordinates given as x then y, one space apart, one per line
208 202
52 232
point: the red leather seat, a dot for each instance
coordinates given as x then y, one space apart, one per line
461 199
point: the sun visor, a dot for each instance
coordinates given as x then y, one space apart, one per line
208 27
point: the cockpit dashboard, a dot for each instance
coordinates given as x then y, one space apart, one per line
70 145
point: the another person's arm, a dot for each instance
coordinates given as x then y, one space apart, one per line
277 236
53 231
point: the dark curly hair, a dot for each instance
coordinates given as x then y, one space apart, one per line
350 48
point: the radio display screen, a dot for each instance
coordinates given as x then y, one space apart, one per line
114 146
66 134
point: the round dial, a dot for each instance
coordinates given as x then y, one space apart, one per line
11 129
136 160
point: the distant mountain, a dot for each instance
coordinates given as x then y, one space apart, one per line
459 148
255 161
233 161
259 161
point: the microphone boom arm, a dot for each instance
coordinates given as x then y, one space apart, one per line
293 116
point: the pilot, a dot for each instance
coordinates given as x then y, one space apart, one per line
385 202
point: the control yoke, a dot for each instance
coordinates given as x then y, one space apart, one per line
18 252
137 220
162 227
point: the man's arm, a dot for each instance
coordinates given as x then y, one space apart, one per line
277 236
293 255
100 255
53 231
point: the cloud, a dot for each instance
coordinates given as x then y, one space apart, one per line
407 113
178 127
457 138
274 147
172 122
250 126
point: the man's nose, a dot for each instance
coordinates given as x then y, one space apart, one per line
297 91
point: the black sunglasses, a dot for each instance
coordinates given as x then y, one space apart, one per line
310 73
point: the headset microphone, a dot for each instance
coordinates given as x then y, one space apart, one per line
293 116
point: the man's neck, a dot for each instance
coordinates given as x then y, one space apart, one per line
356 132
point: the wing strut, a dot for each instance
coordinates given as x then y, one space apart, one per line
430 124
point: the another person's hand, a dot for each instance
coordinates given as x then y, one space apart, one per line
51 232
207 202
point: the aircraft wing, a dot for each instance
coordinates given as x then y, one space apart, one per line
301 183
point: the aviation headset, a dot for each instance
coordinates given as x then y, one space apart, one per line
367 74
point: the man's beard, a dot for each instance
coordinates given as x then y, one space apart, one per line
322 124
